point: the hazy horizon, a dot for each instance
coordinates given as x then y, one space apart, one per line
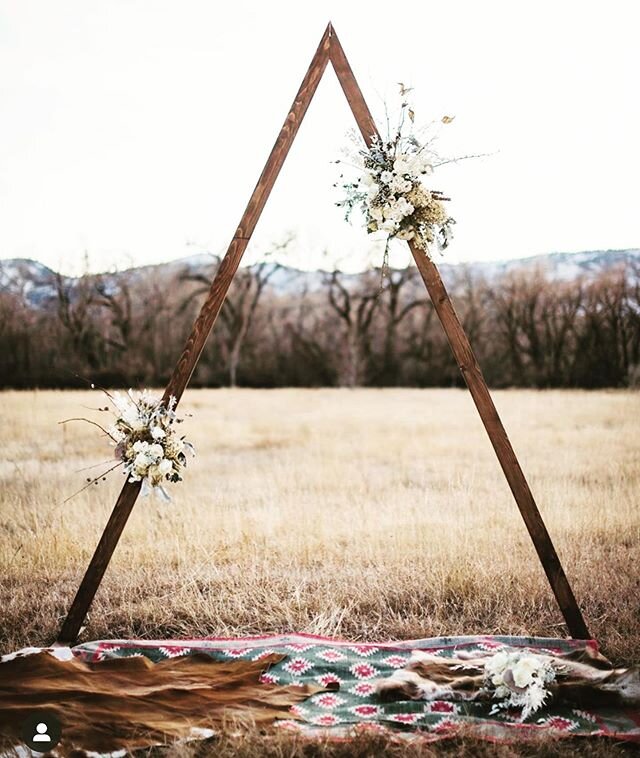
136 132
440 260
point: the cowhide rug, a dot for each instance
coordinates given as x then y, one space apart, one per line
583 678
128 703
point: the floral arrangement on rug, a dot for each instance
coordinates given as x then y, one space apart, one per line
518 680
146 443
390 191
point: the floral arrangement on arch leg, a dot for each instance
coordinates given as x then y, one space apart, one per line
390 190
145 441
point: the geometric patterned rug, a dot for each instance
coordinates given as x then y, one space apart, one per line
353 707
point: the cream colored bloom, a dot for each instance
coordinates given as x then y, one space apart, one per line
403 207
400 184
156 451
165 466
524 671
402 165
141 463
495 667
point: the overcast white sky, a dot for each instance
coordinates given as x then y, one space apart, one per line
135 129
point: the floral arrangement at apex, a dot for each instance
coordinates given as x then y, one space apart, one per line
390 192
518 680
146 442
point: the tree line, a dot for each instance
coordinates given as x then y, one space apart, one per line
128 329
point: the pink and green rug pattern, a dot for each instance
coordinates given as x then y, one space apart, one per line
353 667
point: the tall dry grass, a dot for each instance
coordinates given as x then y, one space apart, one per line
362 514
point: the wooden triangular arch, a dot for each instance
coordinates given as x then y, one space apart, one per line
330 49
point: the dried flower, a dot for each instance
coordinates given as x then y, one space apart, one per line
518 680
390 191
146 441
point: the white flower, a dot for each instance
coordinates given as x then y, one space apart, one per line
386 177
141 463
146 442
535 697
496 665
369 180
403 207
400 184
524 671
423 164
497 662
165 466
376 213
398 164
518 680
156 451
402 165
131 417
406 234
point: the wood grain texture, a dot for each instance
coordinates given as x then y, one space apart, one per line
201 329
99 562
474 379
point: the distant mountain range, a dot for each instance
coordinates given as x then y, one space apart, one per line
36 283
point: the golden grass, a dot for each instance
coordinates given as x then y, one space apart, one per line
366 514
254 745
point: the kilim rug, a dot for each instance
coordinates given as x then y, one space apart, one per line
354 667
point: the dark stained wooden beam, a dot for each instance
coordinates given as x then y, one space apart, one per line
201 330
474 379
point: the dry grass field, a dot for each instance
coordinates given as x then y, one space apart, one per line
362 514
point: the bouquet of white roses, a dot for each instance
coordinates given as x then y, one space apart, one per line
518 680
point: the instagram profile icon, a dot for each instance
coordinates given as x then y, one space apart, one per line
41 731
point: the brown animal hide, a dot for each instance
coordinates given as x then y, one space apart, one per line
583 677
131 702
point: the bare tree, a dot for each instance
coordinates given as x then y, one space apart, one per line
76 304
528 329
115 298
240 304
355 307
403 293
